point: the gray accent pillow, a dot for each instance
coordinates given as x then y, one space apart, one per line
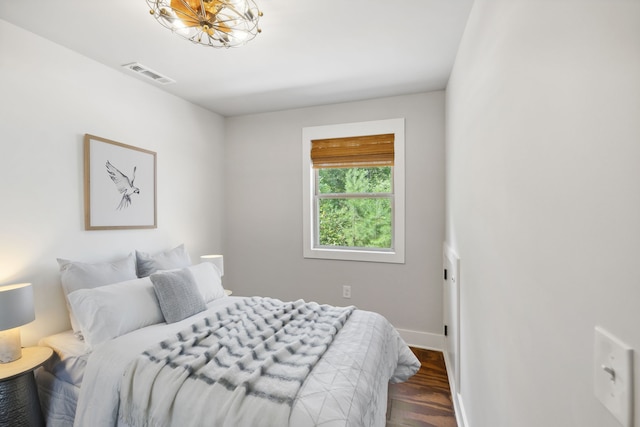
178 294
177 257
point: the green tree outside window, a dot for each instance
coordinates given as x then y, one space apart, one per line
355 207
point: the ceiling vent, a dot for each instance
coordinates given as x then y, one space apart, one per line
148 73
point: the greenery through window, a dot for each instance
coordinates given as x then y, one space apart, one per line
355 207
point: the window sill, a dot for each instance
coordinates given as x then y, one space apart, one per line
394 257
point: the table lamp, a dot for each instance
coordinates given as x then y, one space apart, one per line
16 309
217 260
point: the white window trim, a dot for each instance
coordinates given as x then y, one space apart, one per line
346 130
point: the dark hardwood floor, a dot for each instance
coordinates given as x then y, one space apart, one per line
425 399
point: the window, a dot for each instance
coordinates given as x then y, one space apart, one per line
354 191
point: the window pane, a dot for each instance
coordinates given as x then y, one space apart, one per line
358 223
355 180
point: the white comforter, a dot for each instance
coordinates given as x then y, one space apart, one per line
347 387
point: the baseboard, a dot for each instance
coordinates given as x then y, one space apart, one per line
461 415
458 406
422 339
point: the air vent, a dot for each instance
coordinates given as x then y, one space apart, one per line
148 73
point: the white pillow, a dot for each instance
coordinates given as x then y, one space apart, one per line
80 275
177 257
109 311
208 280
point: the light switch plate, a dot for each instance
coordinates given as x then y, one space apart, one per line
613 376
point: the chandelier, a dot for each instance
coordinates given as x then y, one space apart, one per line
216 23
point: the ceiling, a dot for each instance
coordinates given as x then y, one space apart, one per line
310 52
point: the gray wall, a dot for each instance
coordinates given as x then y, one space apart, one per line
263 207
543 201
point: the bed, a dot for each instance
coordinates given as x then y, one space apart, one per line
135 359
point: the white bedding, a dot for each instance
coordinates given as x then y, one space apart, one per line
69 359
58 399
60 377
347 387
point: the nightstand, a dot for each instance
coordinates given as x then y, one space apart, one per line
19 403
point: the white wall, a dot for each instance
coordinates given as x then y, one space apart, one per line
543 204
263 240
49 98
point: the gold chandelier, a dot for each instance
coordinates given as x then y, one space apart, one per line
216 23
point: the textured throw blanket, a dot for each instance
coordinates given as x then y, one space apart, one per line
241 367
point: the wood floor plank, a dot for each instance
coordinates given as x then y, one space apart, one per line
425 399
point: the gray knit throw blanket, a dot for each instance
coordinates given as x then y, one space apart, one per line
242 366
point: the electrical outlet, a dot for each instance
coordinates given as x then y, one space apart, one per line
346 291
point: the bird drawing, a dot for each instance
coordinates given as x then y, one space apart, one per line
123 184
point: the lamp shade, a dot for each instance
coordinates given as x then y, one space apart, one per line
16 306
217 260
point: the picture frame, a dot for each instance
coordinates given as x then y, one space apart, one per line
119 185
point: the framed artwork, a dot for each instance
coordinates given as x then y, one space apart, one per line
119 185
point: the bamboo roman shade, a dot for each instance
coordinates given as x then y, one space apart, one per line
353 152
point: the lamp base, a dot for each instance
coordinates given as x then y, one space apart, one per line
10 347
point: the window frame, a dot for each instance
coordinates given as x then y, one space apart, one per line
310 225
